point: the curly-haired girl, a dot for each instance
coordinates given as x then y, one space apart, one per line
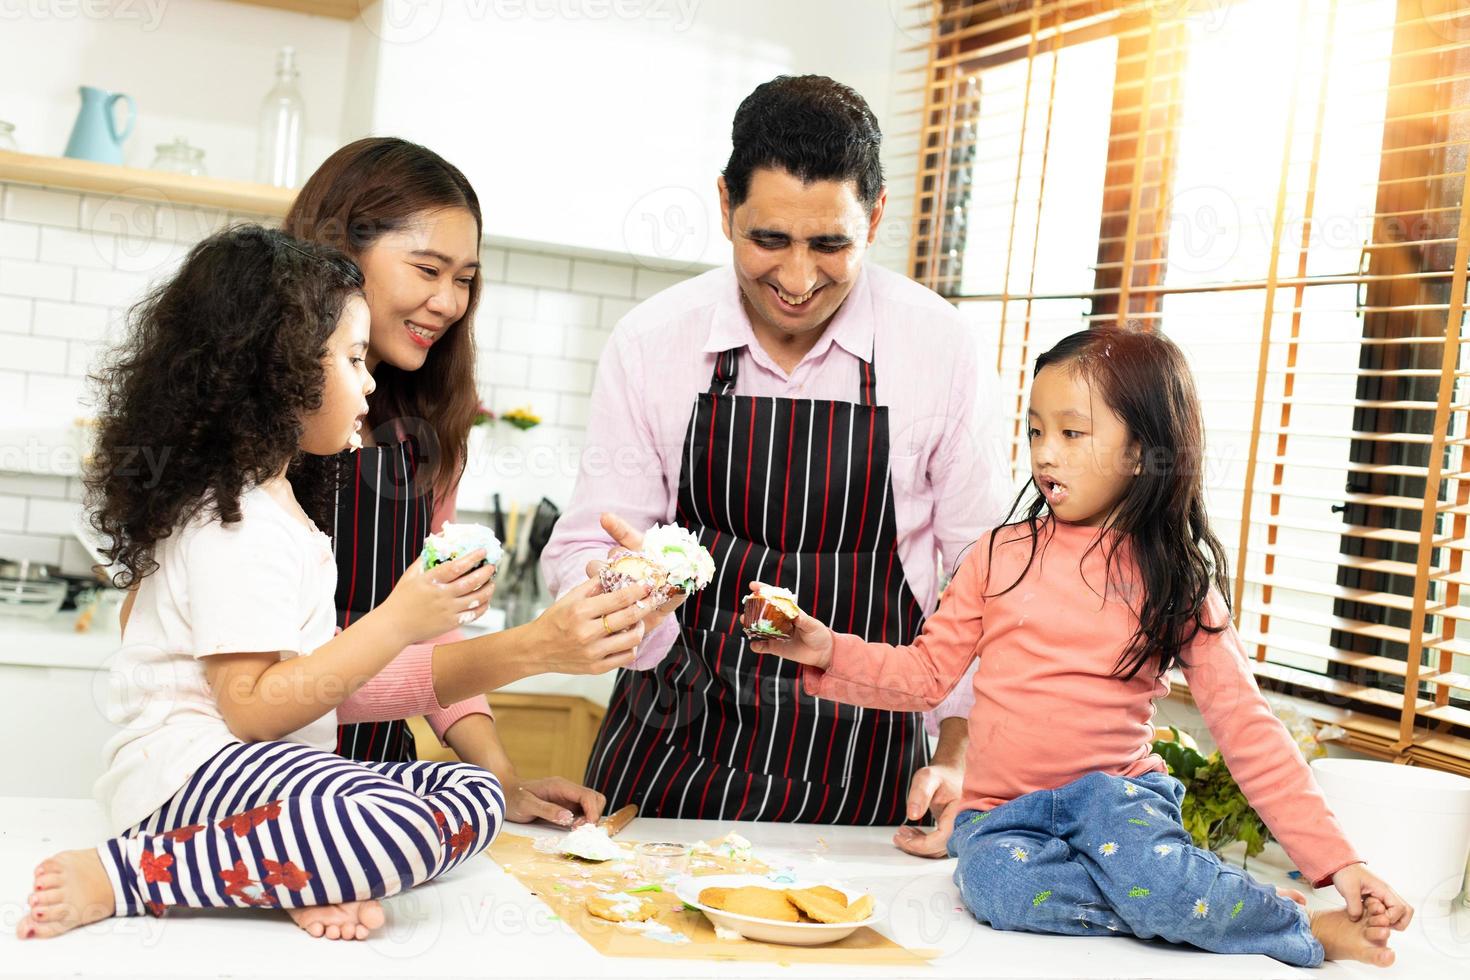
222 786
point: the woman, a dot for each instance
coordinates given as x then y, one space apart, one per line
412 222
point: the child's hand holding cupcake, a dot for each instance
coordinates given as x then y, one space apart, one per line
775 625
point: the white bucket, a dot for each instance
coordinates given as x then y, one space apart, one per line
1411 825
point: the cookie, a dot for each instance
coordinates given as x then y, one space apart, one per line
714 897
761 903
819 906
621 907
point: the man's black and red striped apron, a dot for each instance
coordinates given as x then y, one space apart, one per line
378 530
795 493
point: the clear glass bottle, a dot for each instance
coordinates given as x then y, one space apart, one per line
7 137
278 146
180 158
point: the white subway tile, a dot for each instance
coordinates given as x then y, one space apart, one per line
487 331
61 209
502 300
528 337
650 281
71 320
33 485
570 309
19 241
500 368
602 278
74 558
614 310
534 269
31 547
105 287
574 410
134 220
12 387
65 246
25 353
12 513
492 264
584 344
561 375
81 357
51 516
21 278
15 314
63 397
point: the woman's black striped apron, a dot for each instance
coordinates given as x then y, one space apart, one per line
379 526
795 493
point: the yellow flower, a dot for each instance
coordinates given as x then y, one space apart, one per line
1201 908
1019 854
1108 849
1129 789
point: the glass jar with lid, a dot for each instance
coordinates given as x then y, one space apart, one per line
180 158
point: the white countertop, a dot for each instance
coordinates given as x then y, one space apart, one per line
480 921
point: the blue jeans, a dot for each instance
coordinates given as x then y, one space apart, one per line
1106 855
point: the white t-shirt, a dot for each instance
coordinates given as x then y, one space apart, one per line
265 583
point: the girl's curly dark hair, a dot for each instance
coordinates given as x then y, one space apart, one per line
206 395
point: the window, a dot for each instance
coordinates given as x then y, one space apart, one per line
1277 186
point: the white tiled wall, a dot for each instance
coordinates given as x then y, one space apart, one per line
71 264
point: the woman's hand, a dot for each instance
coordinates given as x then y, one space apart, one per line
630 539
587 632
1355 882
555 800
426 604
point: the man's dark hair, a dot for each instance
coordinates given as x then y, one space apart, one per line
811 127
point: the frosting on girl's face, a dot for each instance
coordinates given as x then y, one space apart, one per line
1082 455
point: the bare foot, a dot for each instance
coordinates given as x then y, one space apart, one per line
1365 940
1293 895
348 920
71 890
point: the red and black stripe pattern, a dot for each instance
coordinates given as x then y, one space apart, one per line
380 522
795 493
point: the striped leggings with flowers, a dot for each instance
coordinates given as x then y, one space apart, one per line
282 825
1106 855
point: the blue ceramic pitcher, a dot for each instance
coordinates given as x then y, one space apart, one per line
95 135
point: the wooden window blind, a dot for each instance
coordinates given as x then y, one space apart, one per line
1278 186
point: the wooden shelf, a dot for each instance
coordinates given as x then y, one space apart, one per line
179 190
340 9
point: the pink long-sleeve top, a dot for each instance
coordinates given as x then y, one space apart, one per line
951 478
1048 708
405 688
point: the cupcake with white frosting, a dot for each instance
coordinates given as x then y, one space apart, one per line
454 540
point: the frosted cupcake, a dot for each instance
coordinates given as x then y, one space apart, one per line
769 613
686 563
455 540
635 568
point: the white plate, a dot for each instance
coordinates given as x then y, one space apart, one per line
767 930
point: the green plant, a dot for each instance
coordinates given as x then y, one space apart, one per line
1215 811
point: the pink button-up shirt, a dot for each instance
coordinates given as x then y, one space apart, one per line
950 474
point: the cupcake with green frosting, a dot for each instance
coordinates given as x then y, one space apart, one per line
454 540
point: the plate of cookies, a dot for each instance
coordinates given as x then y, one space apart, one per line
795 914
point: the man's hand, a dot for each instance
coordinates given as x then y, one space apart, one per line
630 539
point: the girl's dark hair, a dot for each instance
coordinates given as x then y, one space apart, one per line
206 394
811 127
1144 380
361 192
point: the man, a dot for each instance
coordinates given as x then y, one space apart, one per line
821 424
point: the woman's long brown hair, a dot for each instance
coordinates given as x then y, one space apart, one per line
360 193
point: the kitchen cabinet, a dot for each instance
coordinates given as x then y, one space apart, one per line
544 734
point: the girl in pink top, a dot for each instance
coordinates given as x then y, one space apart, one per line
1076 613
